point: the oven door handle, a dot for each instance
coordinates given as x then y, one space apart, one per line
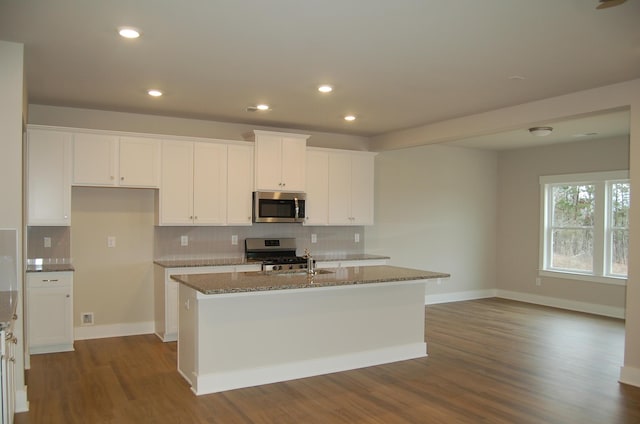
295 201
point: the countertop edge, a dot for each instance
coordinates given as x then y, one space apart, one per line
310 283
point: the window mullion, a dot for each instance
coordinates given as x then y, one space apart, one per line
599 230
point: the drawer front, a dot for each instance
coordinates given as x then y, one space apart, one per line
49 279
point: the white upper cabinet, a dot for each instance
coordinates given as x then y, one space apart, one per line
139 162
194 184
48 177
94 159
239 184
210 184
317 202
351 178
110 161
280 160
176 182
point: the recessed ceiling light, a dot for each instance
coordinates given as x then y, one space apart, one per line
128 32
155 93
325 88
350 118
589 134
262 107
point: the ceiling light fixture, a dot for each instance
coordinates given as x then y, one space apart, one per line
540 131
128 32
325 88
154 93
349 118
609 3
260 107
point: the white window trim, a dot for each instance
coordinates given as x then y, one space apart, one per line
544 256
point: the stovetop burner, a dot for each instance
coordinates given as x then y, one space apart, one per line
276 254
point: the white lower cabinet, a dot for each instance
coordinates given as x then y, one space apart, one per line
166 294
50 311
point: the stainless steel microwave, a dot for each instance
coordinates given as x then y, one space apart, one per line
277 206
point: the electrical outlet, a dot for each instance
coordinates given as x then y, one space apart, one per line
184 240
47 242
314 238
356 238
538 281
234 239
111 241
86 318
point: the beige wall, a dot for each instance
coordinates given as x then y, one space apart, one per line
519 215
435 209
154 124
116 284
622 95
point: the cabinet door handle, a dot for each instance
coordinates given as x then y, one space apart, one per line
49 281
68 295
121 178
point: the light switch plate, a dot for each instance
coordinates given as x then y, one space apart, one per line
314 238
184 240
356 238
47 242
111 241
234 239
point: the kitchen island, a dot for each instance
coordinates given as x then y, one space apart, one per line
244 329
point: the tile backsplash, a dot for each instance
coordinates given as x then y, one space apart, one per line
215 242
208 242
60 249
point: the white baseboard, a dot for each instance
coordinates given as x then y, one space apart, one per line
221 381
114 330
630 375
22 403
572 305
432 299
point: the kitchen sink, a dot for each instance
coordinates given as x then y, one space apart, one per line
299 272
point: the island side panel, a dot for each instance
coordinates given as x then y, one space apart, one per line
187 334
286 334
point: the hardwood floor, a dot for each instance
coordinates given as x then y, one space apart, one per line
490 361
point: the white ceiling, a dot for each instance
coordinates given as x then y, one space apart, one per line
603 125
395 64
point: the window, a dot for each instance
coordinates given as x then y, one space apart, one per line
585 226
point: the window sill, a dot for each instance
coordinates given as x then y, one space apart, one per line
616 281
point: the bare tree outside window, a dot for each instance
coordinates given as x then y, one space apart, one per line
572 227
620 200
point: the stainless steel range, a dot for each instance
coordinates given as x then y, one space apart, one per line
276 254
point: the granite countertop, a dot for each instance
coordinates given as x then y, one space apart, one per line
186 263
241 282
8 305
50 268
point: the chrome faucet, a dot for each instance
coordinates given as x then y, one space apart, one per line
310 262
